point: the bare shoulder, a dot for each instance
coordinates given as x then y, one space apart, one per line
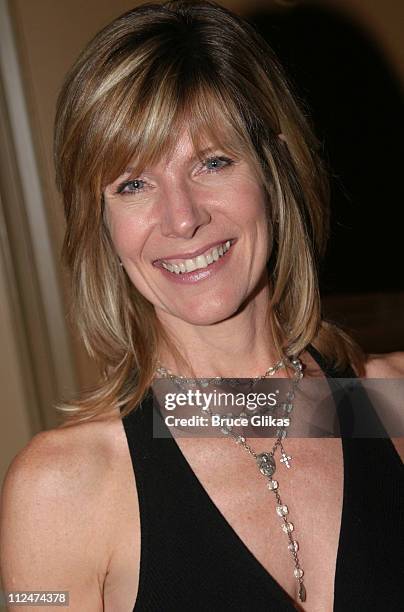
385 365
54 509
388 366
78 457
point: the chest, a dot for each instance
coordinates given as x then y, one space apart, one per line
312 489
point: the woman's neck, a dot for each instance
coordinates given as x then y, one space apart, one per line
241 346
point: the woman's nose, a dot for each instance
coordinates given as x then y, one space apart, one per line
182 212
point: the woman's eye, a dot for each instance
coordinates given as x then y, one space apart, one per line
213 164
131 187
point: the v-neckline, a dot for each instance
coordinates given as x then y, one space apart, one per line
224 524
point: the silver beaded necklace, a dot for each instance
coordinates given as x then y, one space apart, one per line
205 382
265 461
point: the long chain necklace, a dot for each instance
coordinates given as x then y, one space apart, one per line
265 461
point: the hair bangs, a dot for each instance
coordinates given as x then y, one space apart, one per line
141 133
212 120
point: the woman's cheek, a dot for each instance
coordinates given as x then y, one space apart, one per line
122 228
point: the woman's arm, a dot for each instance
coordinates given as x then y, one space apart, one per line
388 365
52 535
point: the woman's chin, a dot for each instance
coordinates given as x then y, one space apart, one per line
205 313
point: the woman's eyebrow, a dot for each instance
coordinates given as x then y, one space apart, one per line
195 156
203 152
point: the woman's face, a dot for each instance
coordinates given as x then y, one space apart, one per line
191 235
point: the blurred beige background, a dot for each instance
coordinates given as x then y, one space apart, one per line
41 356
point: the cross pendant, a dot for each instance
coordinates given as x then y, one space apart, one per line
285 459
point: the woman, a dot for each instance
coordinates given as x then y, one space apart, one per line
196 209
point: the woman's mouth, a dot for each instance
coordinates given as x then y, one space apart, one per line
198 267
199 262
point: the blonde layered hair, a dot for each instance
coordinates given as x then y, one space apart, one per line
151 71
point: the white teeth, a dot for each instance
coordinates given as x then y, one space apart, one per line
201 261
190 265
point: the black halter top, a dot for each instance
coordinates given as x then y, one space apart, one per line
192 559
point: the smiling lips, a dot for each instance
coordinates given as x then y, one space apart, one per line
199 262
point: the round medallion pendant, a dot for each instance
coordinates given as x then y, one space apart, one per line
266 464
